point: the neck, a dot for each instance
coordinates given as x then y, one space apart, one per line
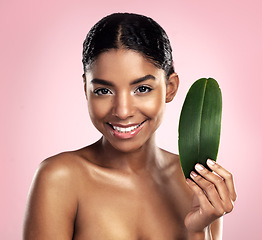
140 159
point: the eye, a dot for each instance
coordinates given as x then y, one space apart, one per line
143 89
102 91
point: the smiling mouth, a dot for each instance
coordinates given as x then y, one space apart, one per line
125 129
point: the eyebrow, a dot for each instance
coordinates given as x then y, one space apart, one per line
101 82
147 77
108 83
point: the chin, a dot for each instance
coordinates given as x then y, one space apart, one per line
126 146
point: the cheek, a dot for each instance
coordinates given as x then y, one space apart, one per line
155 105
98 108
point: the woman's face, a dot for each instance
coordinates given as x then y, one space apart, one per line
126 97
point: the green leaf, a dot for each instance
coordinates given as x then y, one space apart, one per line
200 124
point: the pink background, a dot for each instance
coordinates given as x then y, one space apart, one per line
43 108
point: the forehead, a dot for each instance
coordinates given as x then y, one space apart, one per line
121 63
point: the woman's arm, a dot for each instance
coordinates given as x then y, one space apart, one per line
212 232
52 203
214 195
216 229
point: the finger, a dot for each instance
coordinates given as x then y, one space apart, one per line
211 192
203 201
216 180
215 186
228 177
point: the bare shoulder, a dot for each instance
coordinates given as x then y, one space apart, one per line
72 169
61 165
171 161
176 183
174 172
65 165
53 198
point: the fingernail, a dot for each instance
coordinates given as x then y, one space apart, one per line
193 174
210 162
199 167
187 180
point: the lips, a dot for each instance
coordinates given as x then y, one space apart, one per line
126 131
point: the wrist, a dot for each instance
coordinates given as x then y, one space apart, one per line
201 235
196 236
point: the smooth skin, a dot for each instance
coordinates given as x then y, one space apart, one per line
123 187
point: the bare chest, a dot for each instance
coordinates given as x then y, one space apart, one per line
118 211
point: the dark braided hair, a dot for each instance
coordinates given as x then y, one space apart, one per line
129 31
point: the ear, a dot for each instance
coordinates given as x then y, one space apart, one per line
84 81
171 87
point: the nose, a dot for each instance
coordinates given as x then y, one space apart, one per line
123 107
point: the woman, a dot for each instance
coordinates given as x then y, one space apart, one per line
123 186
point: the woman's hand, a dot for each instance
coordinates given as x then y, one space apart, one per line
214 195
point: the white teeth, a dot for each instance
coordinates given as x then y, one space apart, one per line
125 130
